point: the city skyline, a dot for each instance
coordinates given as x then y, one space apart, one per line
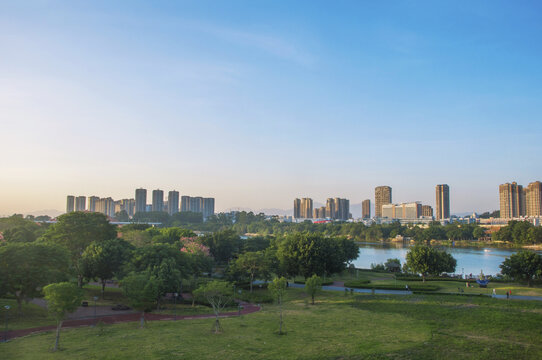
139 204
410 95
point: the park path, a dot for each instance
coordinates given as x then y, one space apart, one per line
336 287
129 317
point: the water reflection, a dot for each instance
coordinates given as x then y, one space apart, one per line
470 260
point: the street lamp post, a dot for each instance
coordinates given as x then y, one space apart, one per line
95 299
175 306
7 307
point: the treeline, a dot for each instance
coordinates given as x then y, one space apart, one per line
520 233
150 262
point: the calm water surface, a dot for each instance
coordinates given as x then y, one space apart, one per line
469 260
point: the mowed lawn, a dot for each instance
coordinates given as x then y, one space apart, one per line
338 326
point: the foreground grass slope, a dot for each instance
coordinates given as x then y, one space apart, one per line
338 326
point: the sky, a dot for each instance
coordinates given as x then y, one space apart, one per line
256 103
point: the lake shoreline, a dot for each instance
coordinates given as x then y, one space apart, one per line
463 243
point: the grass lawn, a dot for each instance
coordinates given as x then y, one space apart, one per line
338 326
384 278
32 316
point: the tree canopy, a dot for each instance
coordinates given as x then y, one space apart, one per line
307 254
524 265
26 267
427 260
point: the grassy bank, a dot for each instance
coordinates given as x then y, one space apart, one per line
338 326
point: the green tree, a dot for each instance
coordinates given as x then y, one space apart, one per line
167 278
149 257
524 265
223 245
186 218
141 292
313 285
62 298
278 289
252 265
19 234
218 294
478 232
427 260
26 267
307 254
393 265
76 231
435 231
103 260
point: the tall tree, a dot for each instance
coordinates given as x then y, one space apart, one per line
307 254
167 279
62 298
141 292
427 260
223 245
524 265
76 231
26 267
103 260
252 265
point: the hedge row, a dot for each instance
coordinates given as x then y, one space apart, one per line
432 278
246 286
256 297
324 283
357 283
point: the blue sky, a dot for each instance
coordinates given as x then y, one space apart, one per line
259 102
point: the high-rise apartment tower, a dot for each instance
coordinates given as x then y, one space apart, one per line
533 199
80 203
512 200
443 201
173 202
70 203
366 209
297 208
141 200
92 200
382 197
306 208
157 200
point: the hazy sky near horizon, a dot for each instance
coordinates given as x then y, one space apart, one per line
259 102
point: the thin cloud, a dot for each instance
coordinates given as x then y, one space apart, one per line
270 44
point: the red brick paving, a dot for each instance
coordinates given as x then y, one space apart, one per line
115 319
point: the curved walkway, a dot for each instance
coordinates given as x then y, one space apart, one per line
132 317
335 287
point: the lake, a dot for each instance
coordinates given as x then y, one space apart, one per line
469 260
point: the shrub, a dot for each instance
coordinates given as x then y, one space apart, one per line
324 283
356 283
256 297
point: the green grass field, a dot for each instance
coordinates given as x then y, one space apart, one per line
337 327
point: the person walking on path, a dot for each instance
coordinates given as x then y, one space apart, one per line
494 293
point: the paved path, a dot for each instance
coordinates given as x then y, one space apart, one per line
130 317
370 291
404 292
86 312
